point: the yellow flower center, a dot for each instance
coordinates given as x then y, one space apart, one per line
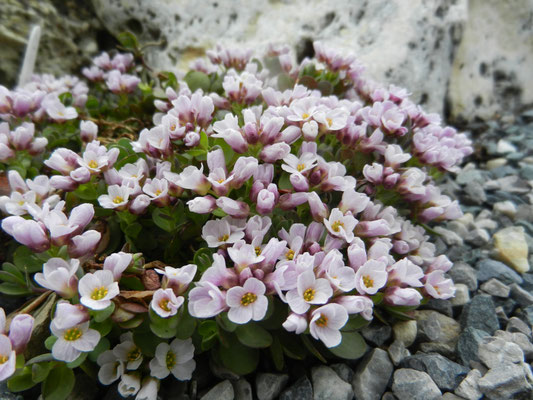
330 121
289 255
134 354
336 225
170 360
368 282
257 250
220 180
92 164
322 321
223 238
99 293
118 200
3 359
300 167
72 334
164 305
172 127
309 294
21 203
305 115
248 298
158 192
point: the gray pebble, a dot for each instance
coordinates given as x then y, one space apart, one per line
268 386
480 314
521 296
496 288
469 387
328 386
468 343
299 390
372 375
221 391
488 268
494 351
504 382
242 389
377 333
410 384
344 372
517 325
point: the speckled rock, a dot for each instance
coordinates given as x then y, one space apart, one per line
511 246
411 44
70 35
410 384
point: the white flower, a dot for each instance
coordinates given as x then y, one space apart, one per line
73 341
129 385
128 352
117 197
176 358
247 302
7 358
111 368
295 165
98 289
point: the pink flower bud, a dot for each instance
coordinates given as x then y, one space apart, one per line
202 205
237 209
402 296
139 204
266 201
319 210
27 232
292 200
274 152
83 244
299 182
20 332
88 131
65 183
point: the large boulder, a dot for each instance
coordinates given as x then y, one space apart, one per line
70 36
408 43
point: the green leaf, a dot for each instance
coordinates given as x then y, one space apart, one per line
102 346
133 230
224 322
163 327
352 347
42 357
102 315
128 40
40 371
276 352
78 361
22 380
253 335
13 289
204 141
203 258
103 327
355 323
312 349
186 325
163 219
13 270
49 342
146 342
86 191
25 260
9 277
131 282
238 358
59 383
285 82
197 80
208 330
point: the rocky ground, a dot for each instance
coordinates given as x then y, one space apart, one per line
479 345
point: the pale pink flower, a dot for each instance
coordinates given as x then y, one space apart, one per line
247 302
402 296
73 340
299 165
357 305
439 287
27 232
341 225
88 131
60 276
219 232
81 245
371 277
244 255
117 263
127 352
20 331
176 359
405 272
206 300
234 208
339 275
309 290
190 178
178 279
295 323
165 303
97 289
326 322
202 205
8 358
229 130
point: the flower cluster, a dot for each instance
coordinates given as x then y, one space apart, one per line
14 343
254 200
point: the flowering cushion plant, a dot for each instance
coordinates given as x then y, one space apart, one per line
254 204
